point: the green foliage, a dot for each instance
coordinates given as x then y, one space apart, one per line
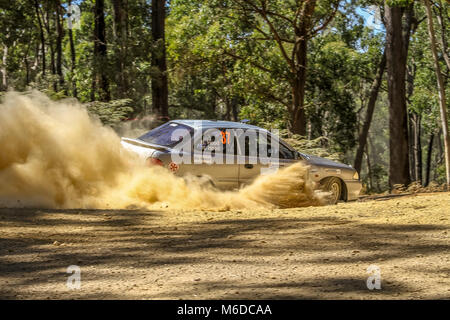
113 112
264 114
224 63
318 147
399 3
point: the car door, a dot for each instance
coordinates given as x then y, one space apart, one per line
249 165
224 175
253 166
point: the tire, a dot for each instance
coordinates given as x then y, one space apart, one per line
334 186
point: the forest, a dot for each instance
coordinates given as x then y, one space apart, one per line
362 81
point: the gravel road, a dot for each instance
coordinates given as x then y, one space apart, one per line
302 253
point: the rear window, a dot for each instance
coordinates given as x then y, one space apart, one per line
162 135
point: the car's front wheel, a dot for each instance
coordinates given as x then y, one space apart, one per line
333 186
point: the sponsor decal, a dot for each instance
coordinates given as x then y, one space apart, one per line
173 167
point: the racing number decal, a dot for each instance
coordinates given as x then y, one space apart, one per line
173 167
226 135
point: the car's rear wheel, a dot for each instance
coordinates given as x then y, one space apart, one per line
333 186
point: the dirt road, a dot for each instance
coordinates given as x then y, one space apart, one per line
304 253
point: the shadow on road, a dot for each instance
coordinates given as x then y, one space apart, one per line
137 240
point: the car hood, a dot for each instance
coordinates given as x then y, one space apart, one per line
322 162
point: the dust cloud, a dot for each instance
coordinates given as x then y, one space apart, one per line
53 154
136 127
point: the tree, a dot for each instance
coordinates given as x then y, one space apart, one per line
289 26
47 13
362 140
311 66
100 82
159 78
42 35
428 163
441 89
440 15
3 69
121 39
59 43
397 41
72 53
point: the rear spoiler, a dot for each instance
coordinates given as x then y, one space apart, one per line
144 144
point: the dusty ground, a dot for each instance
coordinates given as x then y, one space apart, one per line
304 253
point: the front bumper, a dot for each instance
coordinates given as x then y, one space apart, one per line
353 189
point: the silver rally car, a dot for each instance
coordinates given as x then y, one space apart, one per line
232 154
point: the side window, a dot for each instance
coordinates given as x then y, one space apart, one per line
229 141
266 140
285 153
247 146
226 139
211 144
252 145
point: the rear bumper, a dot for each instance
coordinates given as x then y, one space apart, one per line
353 189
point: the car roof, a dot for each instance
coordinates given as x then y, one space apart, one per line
208 124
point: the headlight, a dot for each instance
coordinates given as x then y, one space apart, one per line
356 175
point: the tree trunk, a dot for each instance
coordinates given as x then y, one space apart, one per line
73 60
375 177
120 33
396 55
27 71
362 141
3 69
50 41
440 155
417 148
443 40
412 162
412 118
26 63
159 81
441 88
226 100
36 61
369 168
100 79
59 40
428 165
298 115
234 103
41 31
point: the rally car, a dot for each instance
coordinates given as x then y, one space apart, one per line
233 154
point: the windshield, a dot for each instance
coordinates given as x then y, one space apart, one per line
162 135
